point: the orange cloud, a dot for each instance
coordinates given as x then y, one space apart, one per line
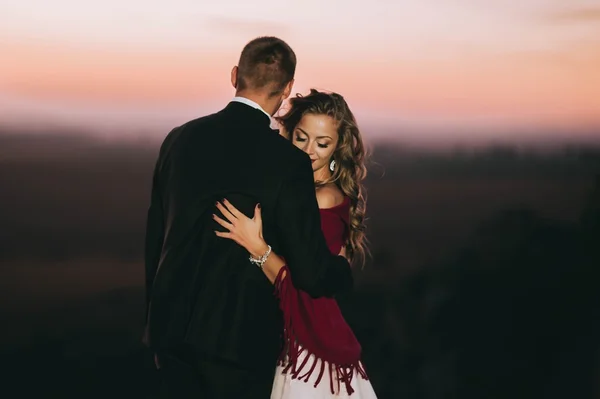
576 15
60 72
558 86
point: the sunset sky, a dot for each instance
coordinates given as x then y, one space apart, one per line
421 70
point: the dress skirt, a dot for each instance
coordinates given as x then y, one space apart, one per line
286 387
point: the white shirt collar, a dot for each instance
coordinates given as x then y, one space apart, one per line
251 103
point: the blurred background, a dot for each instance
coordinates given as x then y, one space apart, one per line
484 184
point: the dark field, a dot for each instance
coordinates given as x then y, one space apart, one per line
482 283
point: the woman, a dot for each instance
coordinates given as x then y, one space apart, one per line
321 357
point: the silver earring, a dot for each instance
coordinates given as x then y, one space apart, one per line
332 165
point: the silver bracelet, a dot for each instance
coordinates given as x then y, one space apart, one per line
261 261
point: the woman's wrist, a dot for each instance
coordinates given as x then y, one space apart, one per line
259 249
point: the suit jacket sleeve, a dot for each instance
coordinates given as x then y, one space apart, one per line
154 235
155 222
313 268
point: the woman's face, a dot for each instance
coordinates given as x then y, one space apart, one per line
317 136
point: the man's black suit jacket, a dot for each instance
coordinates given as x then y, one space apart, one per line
201 289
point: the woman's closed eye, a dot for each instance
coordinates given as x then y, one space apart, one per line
300 139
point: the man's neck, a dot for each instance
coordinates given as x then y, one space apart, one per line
264 104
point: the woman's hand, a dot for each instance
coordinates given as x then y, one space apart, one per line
243 230
343 252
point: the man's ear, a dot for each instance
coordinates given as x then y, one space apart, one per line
234 77
287 90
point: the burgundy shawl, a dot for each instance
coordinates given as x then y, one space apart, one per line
316 325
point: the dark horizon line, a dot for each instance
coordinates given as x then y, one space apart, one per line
82 134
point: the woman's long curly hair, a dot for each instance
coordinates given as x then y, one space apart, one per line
349 156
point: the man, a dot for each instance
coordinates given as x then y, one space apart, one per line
213 320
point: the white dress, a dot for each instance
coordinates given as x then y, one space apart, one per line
287 387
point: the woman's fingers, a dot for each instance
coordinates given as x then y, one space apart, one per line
234 211
223 223
257 214
223 234
230 216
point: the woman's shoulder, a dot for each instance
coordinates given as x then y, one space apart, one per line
329 196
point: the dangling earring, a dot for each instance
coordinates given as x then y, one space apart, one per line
332 165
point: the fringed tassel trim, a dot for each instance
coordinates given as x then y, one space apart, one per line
288 359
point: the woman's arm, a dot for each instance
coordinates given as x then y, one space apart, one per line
272 265
248 233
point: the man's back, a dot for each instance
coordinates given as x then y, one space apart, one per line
206 293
